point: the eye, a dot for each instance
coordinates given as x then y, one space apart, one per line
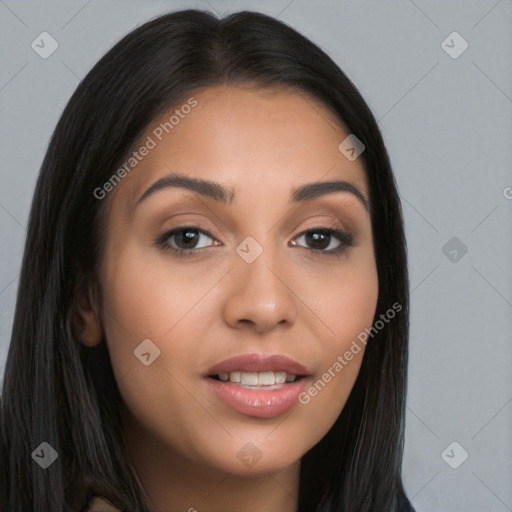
185 240
324 240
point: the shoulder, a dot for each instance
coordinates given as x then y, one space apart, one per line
100 503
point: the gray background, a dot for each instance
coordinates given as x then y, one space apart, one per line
448 126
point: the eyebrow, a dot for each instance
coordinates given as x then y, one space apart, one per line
224 195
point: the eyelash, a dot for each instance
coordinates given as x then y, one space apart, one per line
344 238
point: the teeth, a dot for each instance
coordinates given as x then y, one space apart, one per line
280 377
250 378
266 378
235 377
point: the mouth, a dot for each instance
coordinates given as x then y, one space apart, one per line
258 385
257 380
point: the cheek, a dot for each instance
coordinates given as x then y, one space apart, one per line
149 298
344 307
146 300
342 300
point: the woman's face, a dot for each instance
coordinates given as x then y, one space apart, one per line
242 265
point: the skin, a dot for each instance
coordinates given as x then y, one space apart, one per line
201 309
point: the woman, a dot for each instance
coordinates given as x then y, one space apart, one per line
213 304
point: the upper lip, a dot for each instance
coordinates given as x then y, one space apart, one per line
259 363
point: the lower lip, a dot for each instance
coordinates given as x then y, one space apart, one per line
259 403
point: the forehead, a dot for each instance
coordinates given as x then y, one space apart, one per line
243 136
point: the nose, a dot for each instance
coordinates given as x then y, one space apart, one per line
260 296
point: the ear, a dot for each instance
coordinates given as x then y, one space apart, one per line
87 327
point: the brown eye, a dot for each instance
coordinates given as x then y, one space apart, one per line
318 239
324 240
185 240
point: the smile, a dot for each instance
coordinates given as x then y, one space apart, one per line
256 379
258 385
